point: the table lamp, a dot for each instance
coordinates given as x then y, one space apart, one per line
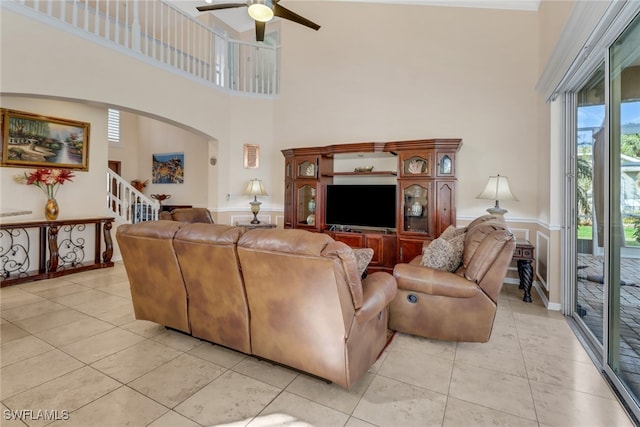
497 189
255 189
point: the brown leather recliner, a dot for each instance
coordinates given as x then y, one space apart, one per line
309 308
218 310
158 291
460 305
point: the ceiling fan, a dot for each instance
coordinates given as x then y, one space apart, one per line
263 11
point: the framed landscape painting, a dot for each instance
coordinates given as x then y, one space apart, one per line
31 140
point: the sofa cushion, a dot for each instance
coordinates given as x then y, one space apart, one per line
192 215
443 254
476 235
217 234
481 219
363 258
300 242
486 254
450 232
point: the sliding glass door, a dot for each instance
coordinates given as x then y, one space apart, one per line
623 356
604 177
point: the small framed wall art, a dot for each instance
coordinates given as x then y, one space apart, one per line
251 156
168 168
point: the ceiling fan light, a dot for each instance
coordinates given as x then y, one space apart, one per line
261 10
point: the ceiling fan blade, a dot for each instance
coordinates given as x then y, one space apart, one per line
220 6
260 26
283 12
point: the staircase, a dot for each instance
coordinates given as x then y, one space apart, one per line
128 204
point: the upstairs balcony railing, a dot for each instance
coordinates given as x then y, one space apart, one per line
159 31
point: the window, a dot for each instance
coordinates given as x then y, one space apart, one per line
113 125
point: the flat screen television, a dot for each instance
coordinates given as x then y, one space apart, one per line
361 206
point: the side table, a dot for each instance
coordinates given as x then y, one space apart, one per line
524 255
250 226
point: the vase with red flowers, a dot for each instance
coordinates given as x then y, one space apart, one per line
49 181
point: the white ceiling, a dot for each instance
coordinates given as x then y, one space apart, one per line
239 19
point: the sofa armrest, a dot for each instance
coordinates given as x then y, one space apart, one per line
379 289
431 281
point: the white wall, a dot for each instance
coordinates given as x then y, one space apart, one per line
159 138
407 72
103 77
78 198
377 72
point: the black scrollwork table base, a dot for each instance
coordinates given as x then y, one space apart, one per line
36 250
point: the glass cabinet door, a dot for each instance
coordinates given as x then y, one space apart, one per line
414 209
415 164
306 207
307 168
445 165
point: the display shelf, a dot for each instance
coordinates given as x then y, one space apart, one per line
364 174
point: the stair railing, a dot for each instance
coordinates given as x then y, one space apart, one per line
127 203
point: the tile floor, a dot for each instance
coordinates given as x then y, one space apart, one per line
71 346
591 299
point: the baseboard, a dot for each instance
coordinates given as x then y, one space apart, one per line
554 306
536 285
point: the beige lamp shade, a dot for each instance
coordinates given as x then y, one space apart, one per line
255 189
497 189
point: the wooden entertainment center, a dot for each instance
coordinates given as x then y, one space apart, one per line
425 178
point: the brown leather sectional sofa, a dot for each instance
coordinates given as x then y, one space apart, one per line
289 296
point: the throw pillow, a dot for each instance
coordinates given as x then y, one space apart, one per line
363 258
450 232
444 254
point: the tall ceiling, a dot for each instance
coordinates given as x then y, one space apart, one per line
239 20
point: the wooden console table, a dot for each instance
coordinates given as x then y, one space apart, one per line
524 255
169 208
65 241
250 226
